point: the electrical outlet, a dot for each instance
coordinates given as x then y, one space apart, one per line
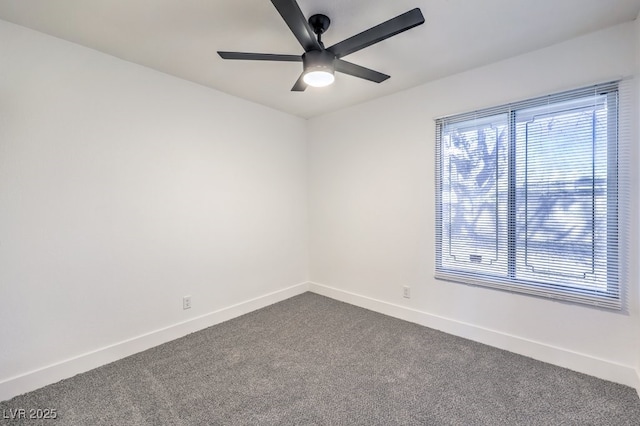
406 292
186 302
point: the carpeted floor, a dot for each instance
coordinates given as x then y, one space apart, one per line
313 360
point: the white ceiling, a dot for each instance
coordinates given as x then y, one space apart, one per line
181 37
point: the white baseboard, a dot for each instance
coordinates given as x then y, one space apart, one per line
582 363
53 373
40 377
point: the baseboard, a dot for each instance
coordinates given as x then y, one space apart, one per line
53 373
582 363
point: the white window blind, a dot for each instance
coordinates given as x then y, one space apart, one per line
527 196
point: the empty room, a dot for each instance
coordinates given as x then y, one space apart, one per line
418 212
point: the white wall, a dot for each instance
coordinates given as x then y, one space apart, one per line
372 211
637 258
123 189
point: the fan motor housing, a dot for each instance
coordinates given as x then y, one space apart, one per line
318 59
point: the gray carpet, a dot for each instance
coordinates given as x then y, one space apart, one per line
313 360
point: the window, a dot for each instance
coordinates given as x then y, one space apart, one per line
527 197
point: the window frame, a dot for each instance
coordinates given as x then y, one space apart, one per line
612 297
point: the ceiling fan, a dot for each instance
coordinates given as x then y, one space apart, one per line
320 63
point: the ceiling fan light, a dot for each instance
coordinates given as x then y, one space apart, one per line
318 68
319 77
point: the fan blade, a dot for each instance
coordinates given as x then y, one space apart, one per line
300 85
380 32
358 71
260 56
292 15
